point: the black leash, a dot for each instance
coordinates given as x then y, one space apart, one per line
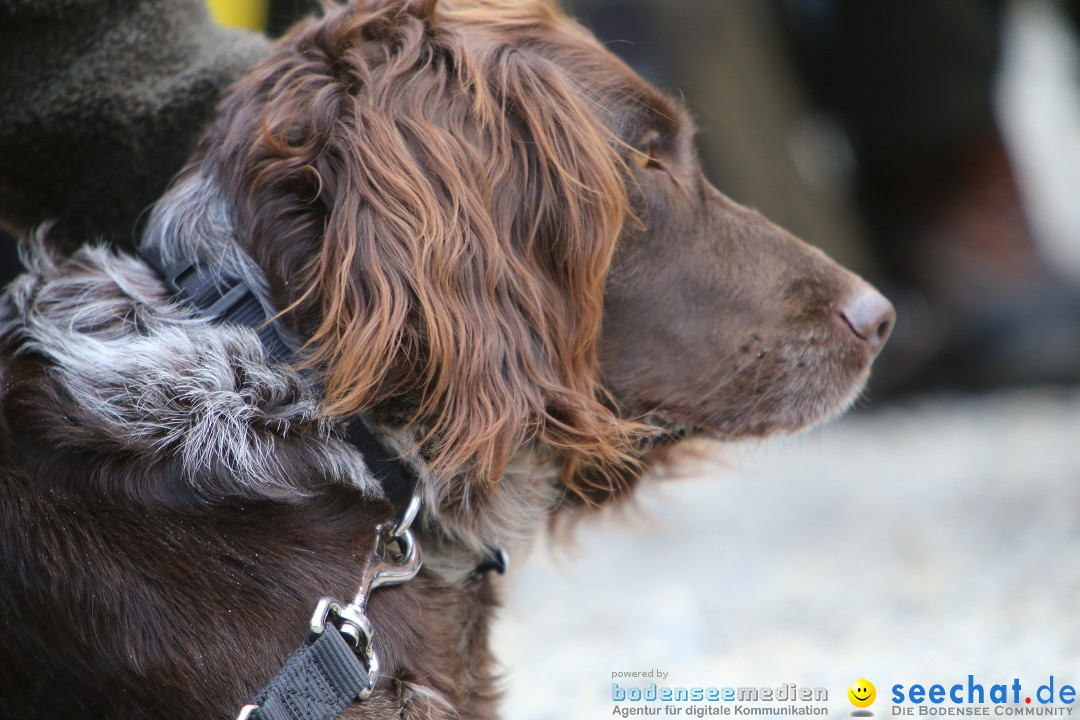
338 663
316 683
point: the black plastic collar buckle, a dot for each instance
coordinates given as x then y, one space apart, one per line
190 283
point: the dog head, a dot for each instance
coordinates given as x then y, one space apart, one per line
485 222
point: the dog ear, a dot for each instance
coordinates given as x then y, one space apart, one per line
445 250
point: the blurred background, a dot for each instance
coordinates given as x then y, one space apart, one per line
934 147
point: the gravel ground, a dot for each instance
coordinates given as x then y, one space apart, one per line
916 544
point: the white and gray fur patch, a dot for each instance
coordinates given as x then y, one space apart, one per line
149 378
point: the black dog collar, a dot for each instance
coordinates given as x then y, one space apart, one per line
220 298
224 299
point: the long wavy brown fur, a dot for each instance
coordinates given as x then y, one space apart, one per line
437 203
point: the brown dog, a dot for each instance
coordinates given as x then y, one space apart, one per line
487 233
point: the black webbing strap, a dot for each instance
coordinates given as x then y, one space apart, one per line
218 297
316 683
397 484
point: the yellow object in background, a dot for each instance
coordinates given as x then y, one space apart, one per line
250 14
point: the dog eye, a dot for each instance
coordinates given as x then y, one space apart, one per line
646 151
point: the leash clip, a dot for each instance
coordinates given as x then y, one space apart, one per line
395 560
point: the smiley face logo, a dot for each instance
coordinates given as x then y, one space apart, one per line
862 693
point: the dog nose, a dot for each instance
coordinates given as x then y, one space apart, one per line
869 315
